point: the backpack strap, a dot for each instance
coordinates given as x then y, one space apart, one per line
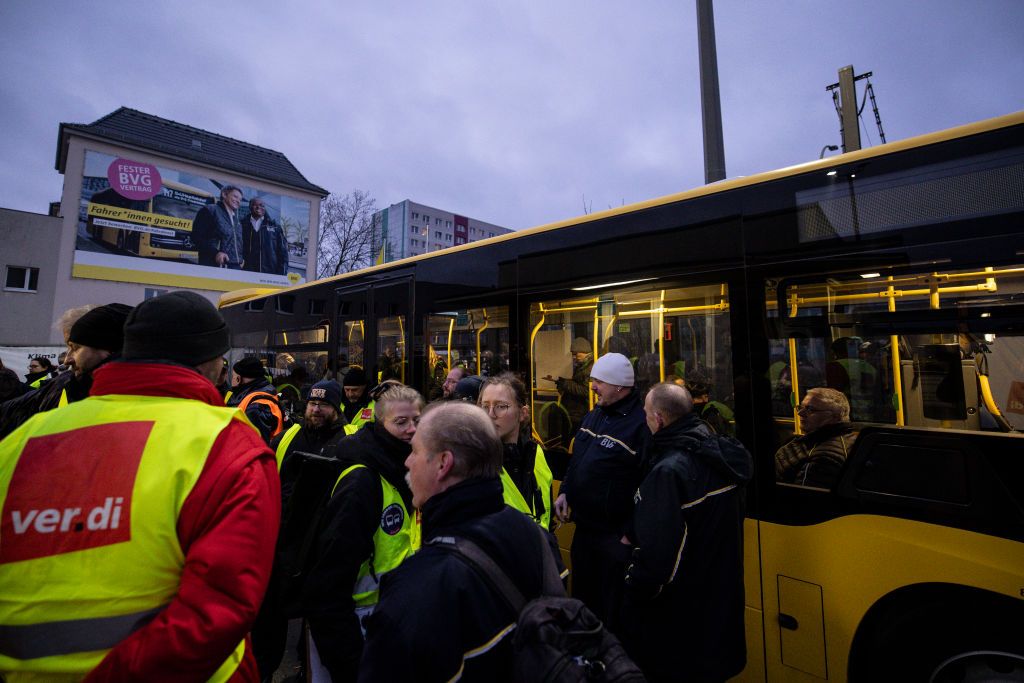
499 580
472 554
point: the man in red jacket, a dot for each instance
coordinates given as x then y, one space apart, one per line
138 525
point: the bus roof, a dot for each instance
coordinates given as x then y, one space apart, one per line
956 132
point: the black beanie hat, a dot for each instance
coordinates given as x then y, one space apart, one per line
355 377
101 328
468 388
180 326
326 390
249 367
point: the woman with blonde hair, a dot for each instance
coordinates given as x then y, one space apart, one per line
525 476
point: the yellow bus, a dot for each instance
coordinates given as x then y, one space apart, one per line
893 274
157 228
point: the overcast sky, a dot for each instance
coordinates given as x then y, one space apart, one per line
510 112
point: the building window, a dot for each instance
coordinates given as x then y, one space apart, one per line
415 215
150 292
491 234
438 221
22 279
426 219
447 238
317 306
437 234
285 303
448 224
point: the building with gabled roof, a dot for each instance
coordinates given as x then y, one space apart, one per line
135 188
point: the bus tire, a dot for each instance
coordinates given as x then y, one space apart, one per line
941 635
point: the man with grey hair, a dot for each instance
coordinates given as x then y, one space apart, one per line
683 609
217 231
816 457
438 618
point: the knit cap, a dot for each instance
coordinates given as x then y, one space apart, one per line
326 390
101 328
183 327
613 368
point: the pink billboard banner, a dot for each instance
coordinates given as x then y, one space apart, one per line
134 179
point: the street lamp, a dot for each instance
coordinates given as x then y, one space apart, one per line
827 148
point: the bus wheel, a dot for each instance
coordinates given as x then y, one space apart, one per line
978 666
942 635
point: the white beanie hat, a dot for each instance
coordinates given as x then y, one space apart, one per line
613 368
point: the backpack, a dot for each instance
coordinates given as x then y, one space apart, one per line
557 639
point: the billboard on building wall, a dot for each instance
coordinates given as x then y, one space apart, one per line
140 222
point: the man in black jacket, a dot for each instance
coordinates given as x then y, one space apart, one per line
94 339
597 493
684 586
369 529
264 246
255 396
438 619
306 482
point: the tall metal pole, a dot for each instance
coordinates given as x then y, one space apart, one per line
710 100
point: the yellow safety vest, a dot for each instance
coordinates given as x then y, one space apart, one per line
514 499
39 382
286 441
396 538
362 418
90 496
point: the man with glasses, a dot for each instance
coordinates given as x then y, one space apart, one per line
816 457
369 528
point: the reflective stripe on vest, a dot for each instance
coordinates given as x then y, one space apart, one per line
102 546
286 441
269 400
397 536
514 499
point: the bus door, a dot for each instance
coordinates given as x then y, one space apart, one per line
373 329
676 333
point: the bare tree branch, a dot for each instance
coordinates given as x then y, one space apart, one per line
346 232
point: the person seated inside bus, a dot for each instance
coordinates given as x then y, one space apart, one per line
716 414
853 375
816 457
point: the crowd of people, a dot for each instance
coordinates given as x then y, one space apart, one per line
193 519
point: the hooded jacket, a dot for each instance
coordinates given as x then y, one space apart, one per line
350 521
684 585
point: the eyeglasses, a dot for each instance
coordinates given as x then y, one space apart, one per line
811 409
403 422
499 409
